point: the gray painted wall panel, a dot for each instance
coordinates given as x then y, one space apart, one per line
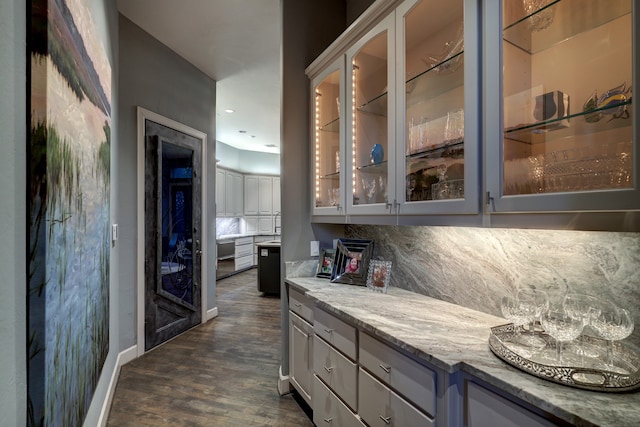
155 78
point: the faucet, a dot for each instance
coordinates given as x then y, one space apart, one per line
276 229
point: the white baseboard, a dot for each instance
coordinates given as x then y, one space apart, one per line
123 358
283 383
211 313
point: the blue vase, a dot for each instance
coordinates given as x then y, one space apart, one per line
377 154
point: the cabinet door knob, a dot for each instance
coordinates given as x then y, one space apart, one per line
328 369
387 369
387 420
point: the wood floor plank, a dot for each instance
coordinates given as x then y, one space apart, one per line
222 373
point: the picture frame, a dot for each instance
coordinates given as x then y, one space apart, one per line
378 275
325 263
352 261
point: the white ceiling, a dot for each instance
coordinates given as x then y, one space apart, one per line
236 43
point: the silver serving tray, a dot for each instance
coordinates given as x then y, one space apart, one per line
589 370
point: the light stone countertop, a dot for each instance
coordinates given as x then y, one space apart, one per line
454 338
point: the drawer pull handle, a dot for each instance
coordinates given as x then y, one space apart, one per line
327 330
328 369
387 369
298 304
387 420
328 420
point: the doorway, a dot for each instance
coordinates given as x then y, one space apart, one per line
170 292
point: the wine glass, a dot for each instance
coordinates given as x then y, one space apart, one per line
585 307
562 327
515 313
613 323
533 302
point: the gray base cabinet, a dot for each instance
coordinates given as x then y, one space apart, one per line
483 407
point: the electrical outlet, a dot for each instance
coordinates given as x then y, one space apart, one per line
315 248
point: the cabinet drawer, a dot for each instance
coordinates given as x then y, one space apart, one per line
336 332
243 262
329 411
380 407
244 250
414 381
338 372
240 241
300 305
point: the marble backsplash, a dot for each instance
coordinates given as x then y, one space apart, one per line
474 267
226 226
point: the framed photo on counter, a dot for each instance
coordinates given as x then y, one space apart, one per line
325 263
379 275
352 261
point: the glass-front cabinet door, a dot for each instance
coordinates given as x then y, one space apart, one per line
566 133
370 131
328 133
437 159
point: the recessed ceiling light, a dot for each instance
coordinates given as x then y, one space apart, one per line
270 145
242 131
229 110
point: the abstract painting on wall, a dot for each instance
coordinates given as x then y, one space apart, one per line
68 196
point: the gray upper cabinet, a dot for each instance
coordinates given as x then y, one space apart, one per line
459 112
559 122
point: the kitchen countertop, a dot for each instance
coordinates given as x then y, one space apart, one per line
269 244
454 338
235 236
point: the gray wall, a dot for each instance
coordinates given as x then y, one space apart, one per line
13 213
307 29
153 77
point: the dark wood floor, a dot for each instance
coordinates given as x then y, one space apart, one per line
223 373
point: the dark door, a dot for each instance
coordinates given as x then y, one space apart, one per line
172 234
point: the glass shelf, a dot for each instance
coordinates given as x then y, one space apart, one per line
332 126
452 148
376 106
374 167
569 19
334 175
432 83
572 125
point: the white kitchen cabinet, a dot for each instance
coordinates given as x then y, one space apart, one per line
234 193
276 204
220 192
265 195
265 224
560 122
243 253
301 344
251 195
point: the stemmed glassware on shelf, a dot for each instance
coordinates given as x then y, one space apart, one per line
612 323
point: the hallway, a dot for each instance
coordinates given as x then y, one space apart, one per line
223 373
